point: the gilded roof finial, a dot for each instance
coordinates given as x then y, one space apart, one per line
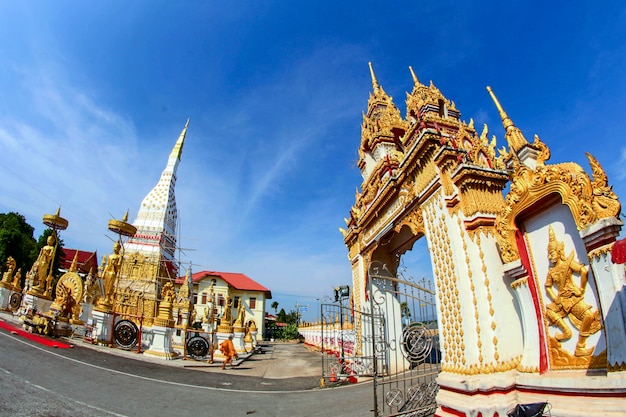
513 135
506 120
125 218
74 266
375 85
416 82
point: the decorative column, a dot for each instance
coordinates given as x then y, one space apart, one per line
185 310
163 326
610 282
239 330
91 289
225 329
39 278
103 327
254 331
103 313
517 275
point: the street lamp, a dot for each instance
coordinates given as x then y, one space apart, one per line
341 292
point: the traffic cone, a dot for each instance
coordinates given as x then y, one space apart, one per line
333 375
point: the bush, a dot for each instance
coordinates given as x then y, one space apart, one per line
290 332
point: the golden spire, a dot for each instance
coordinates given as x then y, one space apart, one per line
416 82
178 148
513 135
74 266
506 120
375 85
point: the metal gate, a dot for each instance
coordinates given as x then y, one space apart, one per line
345 356
406 343
393 340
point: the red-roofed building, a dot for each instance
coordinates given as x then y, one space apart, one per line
239 287
85 262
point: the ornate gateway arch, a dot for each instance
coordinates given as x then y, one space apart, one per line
524 285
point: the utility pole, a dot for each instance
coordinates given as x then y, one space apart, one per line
297 313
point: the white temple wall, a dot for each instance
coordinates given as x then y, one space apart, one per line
508 326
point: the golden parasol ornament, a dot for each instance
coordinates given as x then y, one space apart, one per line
55 221
122 227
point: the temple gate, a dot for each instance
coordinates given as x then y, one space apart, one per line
530 306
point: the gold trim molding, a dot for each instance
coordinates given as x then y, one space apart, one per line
589 200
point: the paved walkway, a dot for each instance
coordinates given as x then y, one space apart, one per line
278 360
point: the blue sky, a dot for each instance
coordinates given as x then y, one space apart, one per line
92 99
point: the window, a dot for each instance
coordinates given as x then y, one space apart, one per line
220 300
236 302
443 109
203 298
252 303
195 298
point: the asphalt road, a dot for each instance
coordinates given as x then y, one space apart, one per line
36 380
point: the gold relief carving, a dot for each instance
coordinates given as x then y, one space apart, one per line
518 283
544 151
480 191
601 251
69 295
480 225
588 201
393 209
414 220
568 303
562 359
617 367
528 369
370 189
485 368
139 267
470 276
605 202
451 288
408 190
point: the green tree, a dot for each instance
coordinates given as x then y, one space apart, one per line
16 240
275 306
281 317
406 311
292 317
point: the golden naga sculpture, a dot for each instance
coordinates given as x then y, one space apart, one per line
568 298
605 202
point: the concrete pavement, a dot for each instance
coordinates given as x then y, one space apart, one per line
284 366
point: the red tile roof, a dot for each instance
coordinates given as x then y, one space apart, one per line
234 279
85 262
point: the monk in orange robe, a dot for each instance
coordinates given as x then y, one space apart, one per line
228 350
